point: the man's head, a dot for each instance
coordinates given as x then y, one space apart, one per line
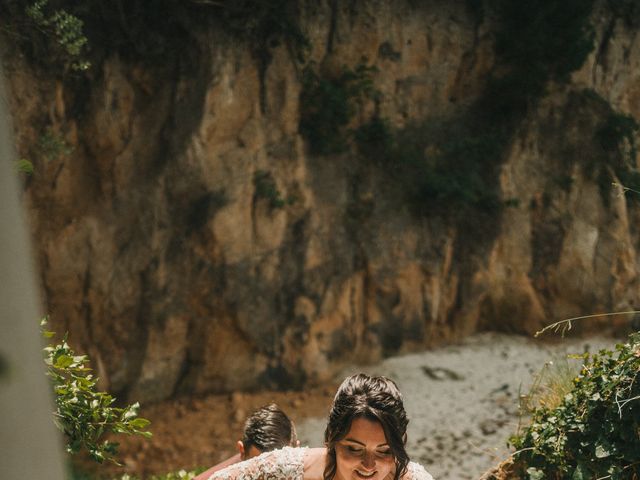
268 428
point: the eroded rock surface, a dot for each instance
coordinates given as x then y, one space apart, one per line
165 264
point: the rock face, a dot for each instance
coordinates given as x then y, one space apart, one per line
165 263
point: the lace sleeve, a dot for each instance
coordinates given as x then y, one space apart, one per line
284 464
415 471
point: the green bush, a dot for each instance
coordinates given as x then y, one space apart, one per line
264 24
328 105
438 164
24 166
66 29
375 139
611 137
265 187
541 40
179 475
48 31
84 414
52 145
74 33
595 430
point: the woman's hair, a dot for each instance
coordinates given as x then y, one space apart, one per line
268 428
373 398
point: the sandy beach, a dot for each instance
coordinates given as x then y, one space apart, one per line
462 400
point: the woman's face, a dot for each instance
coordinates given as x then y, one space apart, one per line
363 454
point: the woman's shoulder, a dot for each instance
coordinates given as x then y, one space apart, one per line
284 464
314 460
415 471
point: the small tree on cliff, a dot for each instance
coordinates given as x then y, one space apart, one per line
84 414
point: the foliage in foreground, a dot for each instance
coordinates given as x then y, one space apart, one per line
550 385
84 414
179 475
595 430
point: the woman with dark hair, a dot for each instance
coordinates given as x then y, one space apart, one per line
364 439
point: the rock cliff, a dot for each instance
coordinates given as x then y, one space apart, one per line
190 241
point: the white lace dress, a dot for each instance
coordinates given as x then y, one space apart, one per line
288 464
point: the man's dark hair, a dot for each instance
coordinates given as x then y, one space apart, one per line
268 428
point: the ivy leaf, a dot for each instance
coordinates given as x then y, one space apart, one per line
534 474
139 423
84 414
581 472
602 451
63 361
132 411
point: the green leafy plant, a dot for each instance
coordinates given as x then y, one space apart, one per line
179 475
265 187
375 139
74 33
328 105
438 164
594 431
52 145
83 413
541 41
67 31
24 166
550 385
264 24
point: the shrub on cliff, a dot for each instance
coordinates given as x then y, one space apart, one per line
329 104
595 430
71 35
536 42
